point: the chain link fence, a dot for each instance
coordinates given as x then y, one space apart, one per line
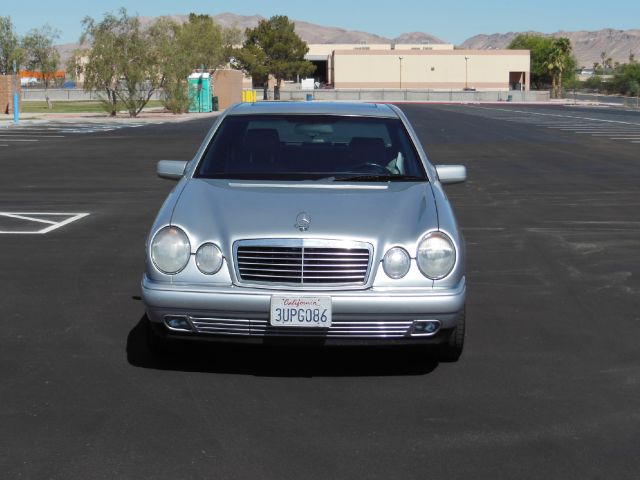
408 95
69 95
601 99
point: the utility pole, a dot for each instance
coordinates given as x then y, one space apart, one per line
466 73
16 100
400 58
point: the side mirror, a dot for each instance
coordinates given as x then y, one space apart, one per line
171 169
451 173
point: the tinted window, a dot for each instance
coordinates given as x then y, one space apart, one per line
292 147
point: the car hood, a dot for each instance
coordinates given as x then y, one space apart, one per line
384 214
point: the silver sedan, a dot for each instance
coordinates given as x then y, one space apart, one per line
319 223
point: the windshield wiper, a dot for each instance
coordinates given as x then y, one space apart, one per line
380 178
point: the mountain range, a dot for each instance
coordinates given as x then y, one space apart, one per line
588 47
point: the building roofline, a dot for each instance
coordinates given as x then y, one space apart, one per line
432 52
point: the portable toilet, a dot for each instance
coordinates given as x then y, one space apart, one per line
200 92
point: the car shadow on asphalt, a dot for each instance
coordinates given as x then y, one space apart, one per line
277 361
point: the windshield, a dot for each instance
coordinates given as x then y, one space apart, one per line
311 147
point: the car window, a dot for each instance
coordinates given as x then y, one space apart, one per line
302 147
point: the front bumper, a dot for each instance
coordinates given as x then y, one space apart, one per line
231 313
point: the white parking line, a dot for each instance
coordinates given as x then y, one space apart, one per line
23 217
559 116
570 125
618 135
33 217
20 140
589 130
593 132
608 129
31 136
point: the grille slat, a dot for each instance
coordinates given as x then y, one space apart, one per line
309 263
338 329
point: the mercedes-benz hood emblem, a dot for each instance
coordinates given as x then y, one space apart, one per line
303 220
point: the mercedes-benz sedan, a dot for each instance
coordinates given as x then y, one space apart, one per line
308 223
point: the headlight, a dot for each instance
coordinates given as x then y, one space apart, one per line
396 262
436 255
209 258
170 250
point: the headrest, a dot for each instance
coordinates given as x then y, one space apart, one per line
261 138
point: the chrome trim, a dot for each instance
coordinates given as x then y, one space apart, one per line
341 186
358 280
338 329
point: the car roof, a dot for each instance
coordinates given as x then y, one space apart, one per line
314 108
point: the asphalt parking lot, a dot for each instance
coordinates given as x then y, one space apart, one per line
548 385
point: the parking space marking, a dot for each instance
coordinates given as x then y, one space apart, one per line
35 218
28 133
72 127
20 140
605 128
31 136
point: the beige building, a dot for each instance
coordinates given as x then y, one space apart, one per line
420 66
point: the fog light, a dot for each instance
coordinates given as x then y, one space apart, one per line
178 322
425 327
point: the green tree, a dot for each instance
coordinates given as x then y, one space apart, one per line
182 48
122 61
253 60
551 59
273 46
572 84
41 54
558 62
540 48
626 79
594 82
139 67
101 68
10 48
634 88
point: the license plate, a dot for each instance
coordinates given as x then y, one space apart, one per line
301 311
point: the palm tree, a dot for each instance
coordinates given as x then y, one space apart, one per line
560 51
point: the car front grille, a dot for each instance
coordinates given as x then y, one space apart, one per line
338 329
303 262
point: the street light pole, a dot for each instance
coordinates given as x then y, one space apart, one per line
16 99
466 73
400 58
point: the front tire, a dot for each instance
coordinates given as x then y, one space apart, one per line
451 350
157 344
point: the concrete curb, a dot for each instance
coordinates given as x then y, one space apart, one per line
144 117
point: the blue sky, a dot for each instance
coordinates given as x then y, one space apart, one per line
451 21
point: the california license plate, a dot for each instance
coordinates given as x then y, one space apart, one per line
301 311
